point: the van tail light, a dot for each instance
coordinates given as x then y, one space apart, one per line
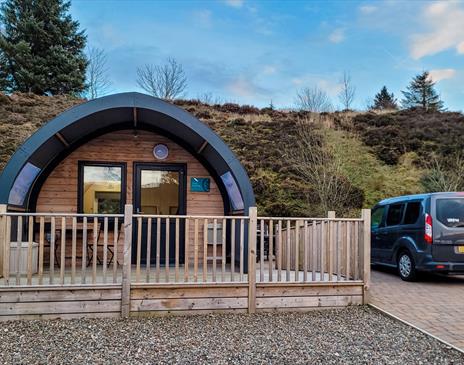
428 229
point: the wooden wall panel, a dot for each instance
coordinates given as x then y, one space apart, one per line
307 296
188 298
59 192
59 303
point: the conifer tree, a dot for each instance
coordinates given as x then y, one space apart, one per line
421 94
384 100
41 48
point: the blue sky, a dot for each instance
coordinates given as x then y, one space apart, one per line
252 52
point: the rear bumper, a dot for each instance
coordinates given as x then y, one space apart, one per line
436 266
442 258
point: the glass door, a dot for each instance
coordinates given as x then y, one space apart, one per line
160 189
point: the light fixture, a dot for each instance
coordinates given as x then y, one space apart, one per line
161 151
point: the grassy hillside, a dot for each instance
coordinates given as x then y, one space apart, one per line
22 114
376 161
392 135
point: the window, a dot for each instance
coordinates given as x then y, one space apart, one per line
412 212
23 184
100 188
376 218
233 191
450 212
395 213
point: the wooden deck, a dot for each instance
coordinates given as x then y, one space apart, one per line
313 263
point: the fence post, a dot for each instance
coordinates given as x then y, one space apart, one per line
253 221
126 268
330 241
365 253
3 208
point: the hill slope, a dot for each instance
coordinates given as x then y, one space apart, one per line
263 138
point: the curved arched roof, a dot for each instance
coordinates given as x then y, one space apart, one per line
69 129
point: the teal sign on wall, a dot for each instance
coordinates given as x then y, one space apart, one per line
199 184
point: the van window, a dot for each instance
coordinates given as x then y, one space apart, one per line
395 213
412 213
376 217
450 212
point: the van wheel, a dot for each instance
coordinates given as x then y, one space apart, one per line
406 266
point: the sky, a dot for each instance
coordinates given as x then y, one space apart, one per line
258 52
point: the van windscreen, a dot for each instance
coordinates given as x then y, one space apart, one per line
450 212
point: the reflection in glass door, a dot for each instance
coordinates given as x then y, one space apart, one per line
159 192
160 189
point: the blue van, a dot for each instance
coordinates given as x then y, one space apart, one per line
423 232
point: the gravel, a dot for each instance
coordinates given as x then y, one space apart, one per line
353 335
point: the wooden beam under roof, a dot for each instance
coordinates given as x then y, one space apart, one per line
62 139
202 147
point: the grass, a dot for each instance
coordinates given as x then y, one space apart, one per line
375 178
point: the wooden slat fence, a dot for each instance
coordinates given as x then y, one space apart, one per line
259 258
308 249
60 249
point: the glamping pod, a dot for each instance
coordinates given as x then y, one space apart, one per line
128 148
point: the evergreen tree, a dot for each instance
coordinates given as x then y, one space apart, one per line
421 94
41 48
384 100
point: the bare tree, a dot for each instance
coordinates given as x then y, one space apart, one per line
348 91
166 81
97 73
206 98
313 100
317 162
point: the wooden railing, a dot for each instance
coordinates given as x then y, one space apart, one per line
309 249
60 249
70 249
197 248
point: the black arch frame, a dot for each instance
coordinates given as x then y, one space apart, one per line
63 134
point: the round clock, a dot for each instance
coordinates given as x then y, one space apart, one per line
161 151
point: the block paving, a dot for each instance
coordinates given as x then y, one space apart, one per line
435 303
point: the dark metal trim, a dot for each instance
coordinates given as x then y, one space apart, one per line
80 177
180 167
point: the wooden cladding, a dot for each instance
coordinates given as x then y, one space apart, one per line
60 190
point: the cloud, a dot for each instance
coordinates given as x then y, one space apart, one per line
269 70
330 87
244 87
235 3
326 83
444 30
337 36
202 18
460 48
367 9
442 74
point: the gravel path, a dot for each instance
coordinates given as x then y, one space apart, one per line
350 336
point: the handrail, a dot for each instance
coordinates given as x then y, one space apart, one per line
54 214
190 216
313 219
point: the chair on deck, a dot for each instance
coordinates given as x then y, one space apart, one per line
89 240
